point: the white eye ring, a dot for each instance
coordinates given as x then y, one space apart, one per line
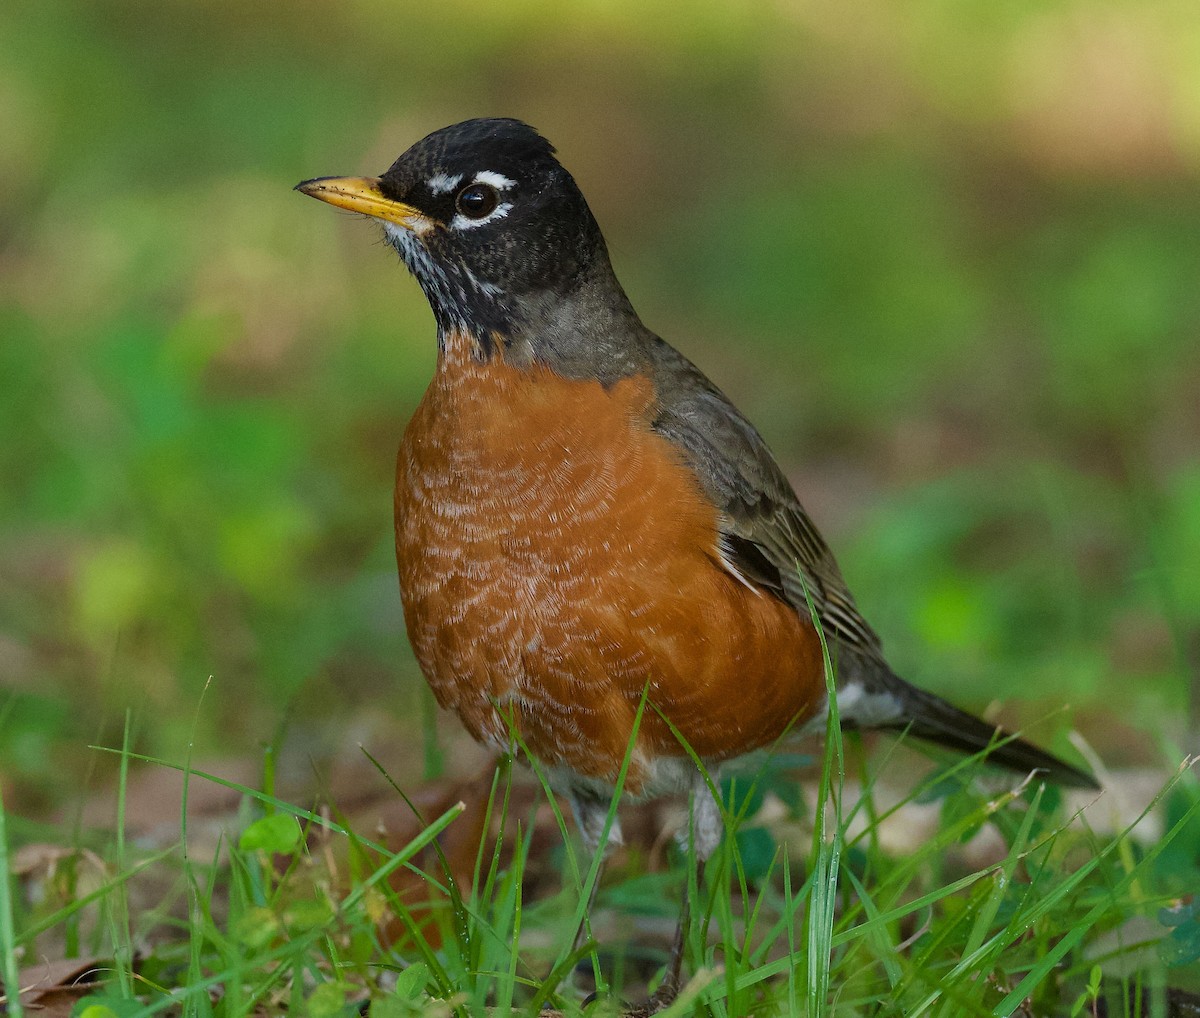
461 222
476 200
479 203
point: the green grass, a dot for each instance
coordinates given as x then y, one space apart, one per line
847 930
8 953
980 367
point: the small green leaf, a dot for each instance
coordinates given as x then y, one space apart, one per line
277 833
1182 947
256 928
756 847
104 1006
392 1006
411 982
307 914
1178 915
326 1000
97 1011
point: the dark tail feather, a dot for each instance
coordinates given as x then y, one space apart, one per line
929 717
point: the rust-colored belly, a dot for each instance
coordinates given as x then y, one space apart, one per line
556 556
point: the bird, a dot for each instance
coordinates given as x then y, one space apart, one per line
589 534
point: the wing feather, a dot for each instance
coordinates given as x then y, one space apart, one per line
766 536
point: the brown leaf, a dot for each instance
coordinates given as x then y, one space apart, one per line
52 987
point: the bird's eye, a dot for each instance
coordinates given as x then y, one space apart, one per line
477 200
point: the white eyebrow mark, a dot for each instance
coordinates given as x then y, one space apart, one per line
498 180
444 183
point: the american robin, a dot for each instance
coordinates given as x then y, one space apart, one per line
583 519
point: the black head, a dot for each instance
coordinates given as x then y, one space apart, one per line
489 222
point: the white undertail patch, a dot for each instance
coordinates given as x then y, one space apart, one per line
867 708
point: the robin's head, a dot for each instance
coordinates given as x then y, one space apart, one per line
492 226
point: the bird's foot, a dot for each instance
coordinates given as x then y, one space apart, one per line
664 996
599 1003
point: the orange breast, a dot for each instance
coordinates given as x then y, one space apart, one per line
556 555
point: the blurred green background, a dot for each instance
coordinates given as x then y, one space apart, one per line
945 254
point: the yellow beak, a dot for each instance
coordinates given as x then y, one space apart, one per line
362 194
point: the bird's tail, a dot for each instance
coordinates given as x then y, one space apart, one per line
931 718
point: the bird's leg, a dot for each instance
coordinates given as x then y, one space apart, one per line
672 982
702 837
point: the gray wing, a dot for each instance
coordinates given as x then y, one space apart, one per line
766 536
